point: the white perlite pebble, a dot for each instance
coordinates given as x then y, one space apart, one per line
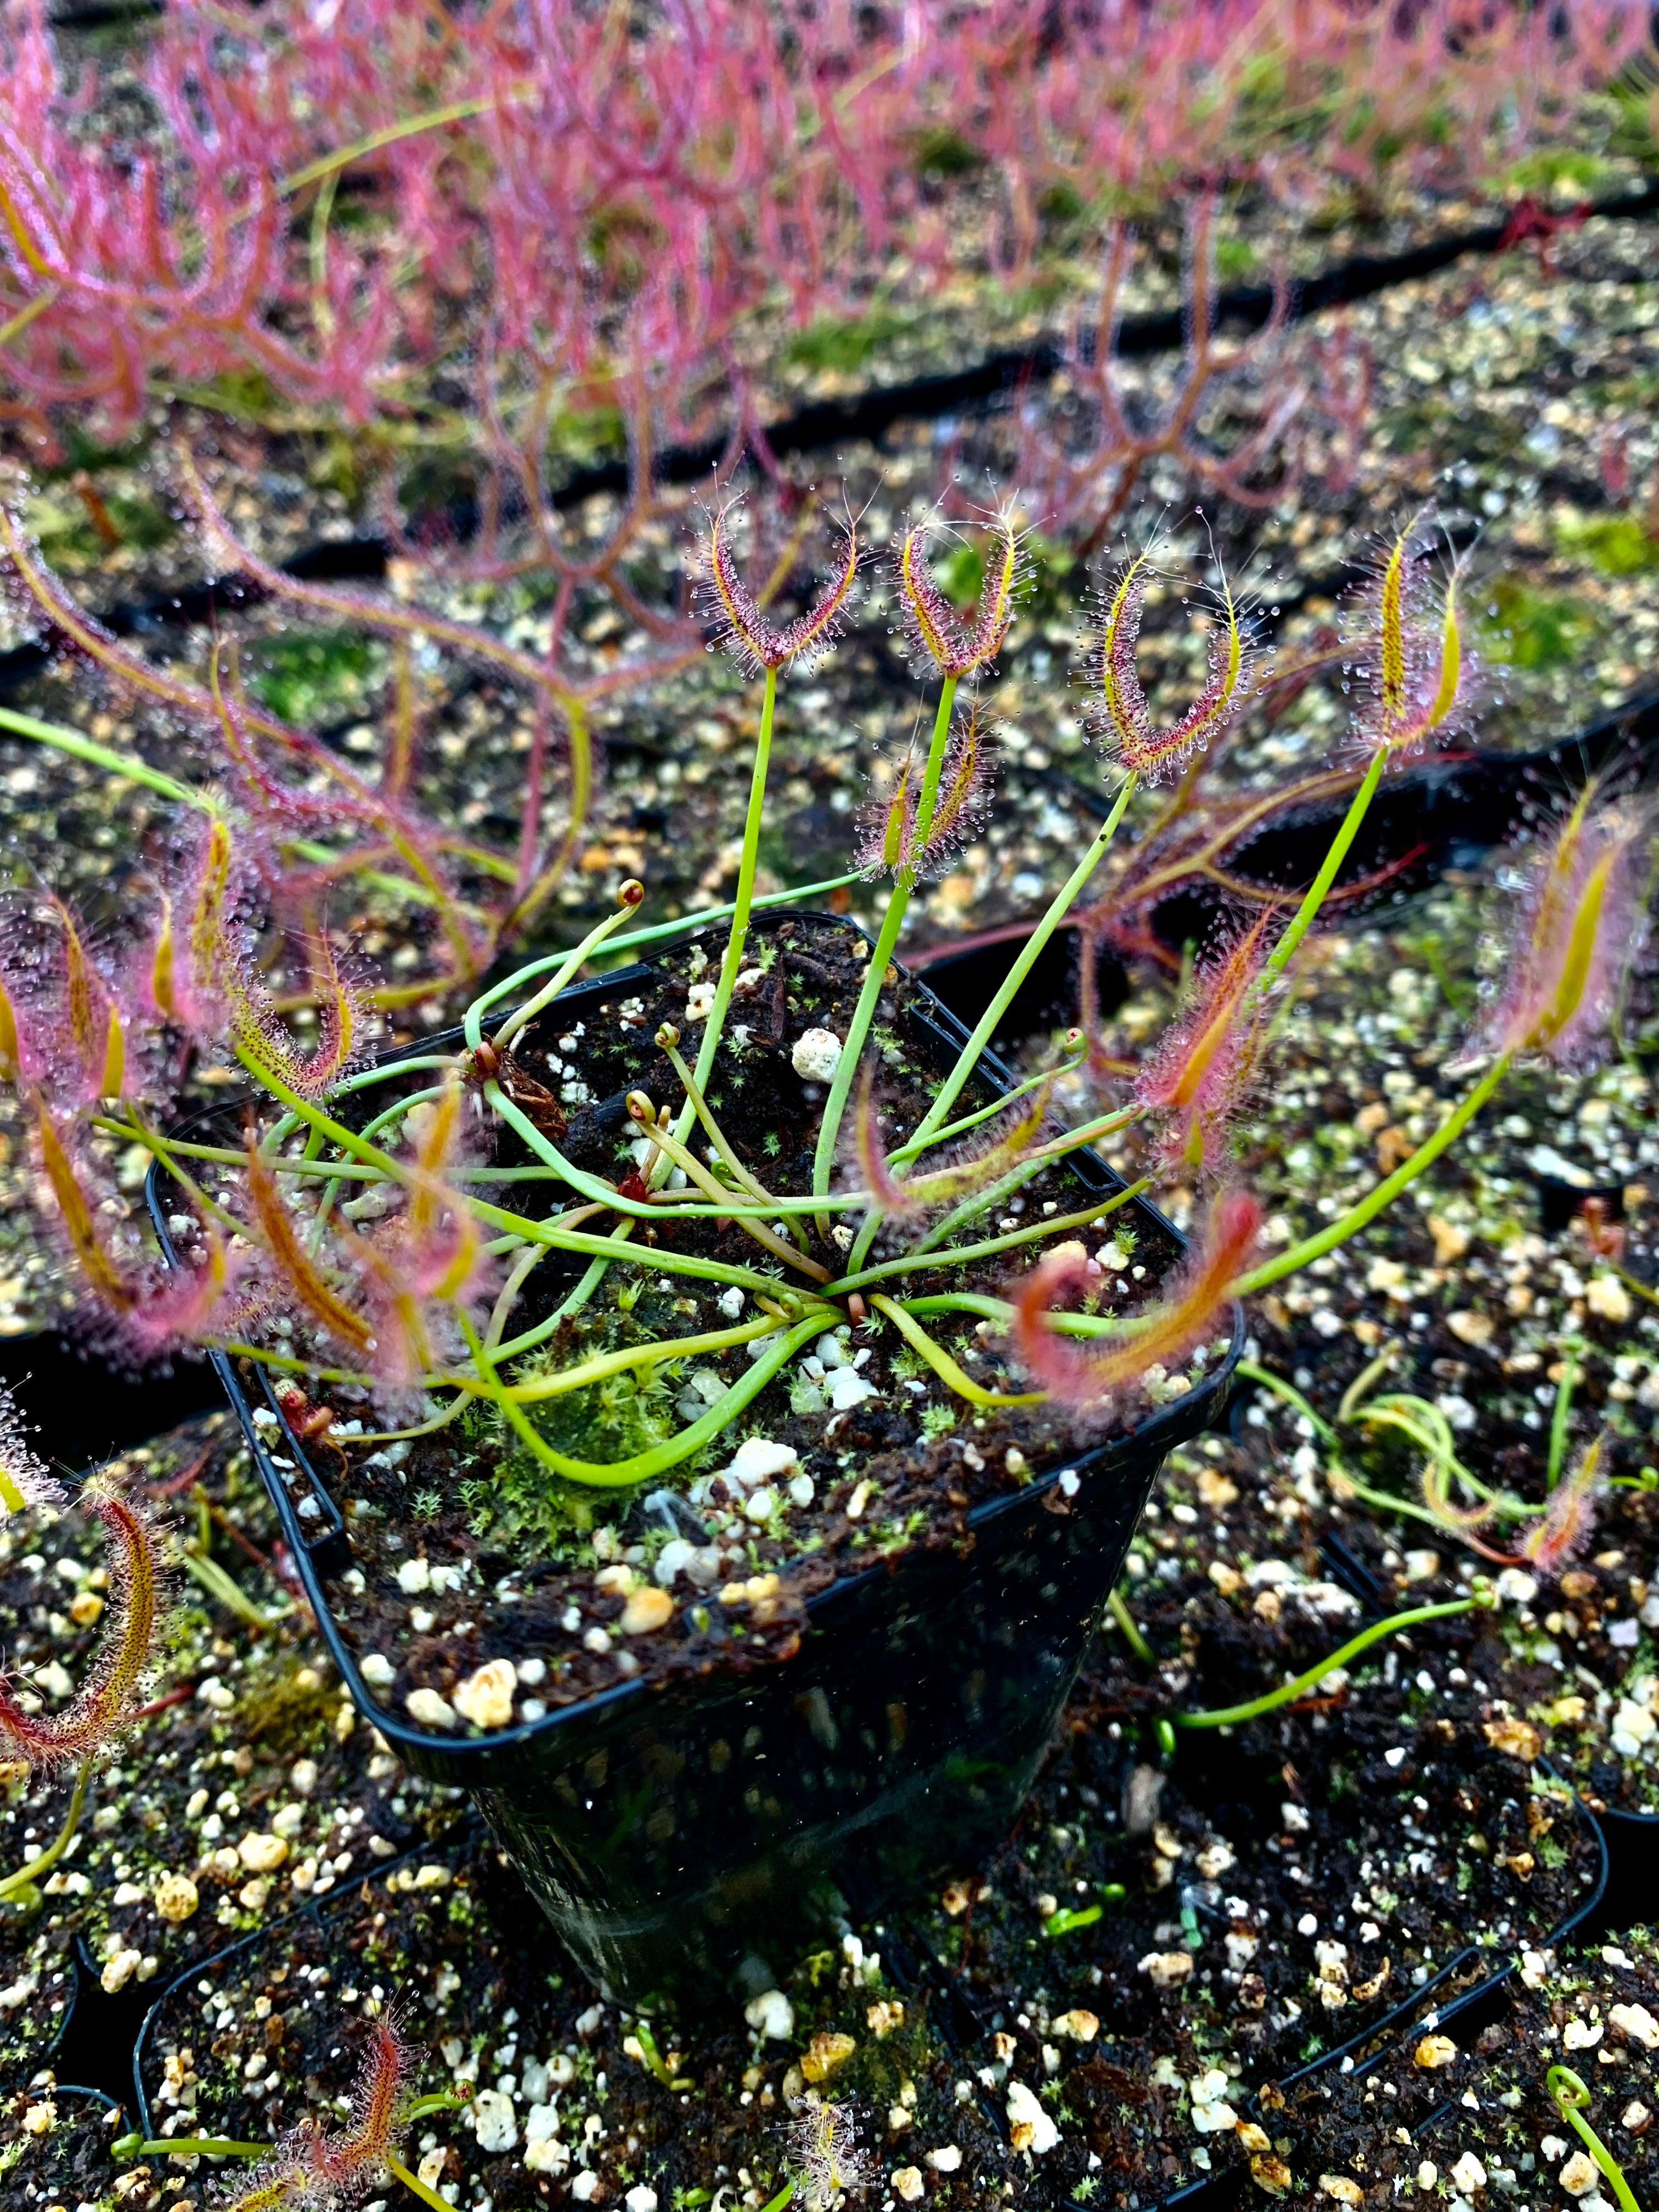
772 2013
1166 1969
377 1671
847 1390
1030 2126
731 1303
641 2198
817 1055
908 2184
947 2159
1636 2024
413 1577
486 1696
1579 2175
757 1459
493 2123
1468 2174
429 1710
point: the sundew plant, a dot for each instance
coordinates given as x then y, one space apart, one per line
372 1231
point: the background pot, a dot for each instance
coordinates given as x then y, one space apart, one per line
672 1831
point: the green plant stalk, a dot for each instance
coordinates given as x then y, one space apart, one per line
135 2145
562 976
532 1232
989 1308
947 1368
222 1586
1559 1418
986 1028
1248 1371
24 1881
126 765
596 1370
1305 914
1228 1715
1005 1185
623 1474
908 1150
1435 1438
399 2172
961 1254
741 905
858 1030
1571 2096
1312 1248
1131 1628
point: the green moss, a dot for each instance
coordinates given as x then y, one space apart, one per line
941 152
1617 544
312 677
1525 628
1545 170
844 348
1236 258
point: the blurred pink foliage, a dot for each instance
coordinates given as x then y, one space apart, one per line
574 198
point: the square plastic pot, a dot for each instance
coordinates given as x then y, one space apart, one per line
677 1832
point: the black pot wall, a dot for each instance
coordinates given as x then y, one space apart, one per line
89 1411
670 1831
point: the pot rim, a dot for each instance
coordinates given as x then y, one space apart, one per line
304 1547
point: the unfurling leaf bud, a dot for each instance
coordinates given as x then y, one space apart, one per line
630 892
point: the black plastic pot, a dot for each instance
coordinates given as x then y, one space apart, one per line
1632 1842
670 1831
1472 2004
97 1411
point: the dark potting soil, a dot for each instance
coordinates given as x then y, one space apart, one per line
1161 1940
56 2145
1467 2097
448 1518
570 2086
250 1783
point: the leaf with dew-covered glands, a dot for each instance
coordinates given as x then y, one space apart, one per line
314 2170
940 642
1197 1078
108 1699
886 829
1411 659
1584 916
994 1149
1079 1374
1118 713
736 618
25 1479
298 1275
